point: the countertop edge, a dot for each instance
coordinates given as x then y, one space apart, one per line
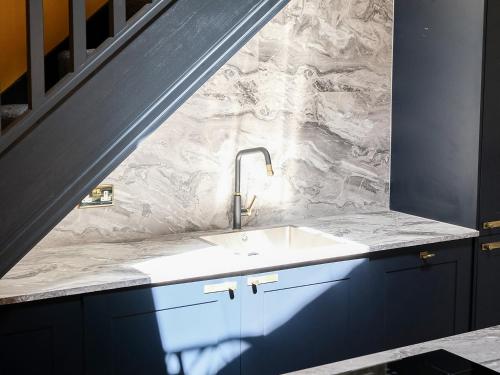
480 346
387 230
142 281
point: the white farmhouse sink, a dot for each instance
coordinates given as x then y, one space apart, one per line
286 238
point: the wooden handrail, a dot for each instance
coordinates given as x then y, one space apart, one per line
42 102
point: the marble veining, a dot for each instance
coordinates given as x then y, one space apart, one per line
84 268
313 86
482 346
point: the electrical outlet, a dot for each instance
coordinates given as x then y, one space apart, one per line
101 196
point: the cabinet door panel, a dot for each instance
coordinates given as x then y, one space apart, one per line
175 329
302 320
490 145
420 303
487 290
41 338
422 300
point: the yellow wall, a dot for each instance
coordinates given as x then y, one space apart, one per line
13 33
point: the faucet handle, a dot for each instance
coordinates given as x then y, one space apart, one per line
248 211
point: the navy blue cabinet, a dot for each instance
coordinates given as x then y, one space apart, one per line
258 324
423 293
436 109
489 178
41 338
191 328
487 282
446 125
268 323
303 317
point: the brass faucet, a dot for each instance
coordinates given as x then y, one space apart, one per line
238 212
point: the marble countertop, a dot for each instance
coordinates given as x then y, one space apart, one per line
77 269
482 346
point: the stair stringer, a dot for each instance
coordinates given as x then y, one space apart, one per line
76 145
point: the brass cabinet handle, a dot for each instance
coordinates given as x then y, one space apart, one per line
425 255
220 287
265 279
491 224
490 246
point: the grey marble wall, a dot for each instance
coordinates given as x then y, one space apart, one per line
314 87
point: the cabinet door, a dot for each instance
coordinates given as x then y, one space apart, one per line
490 145
302 317
188 329
41 338
487 282
424 299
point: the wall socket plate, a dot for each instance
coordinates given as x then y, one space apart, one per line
101 196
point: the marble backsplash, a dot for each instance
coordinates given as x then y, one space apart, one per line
313 86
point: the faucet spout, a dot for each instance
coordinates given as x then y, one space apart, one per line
237 210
